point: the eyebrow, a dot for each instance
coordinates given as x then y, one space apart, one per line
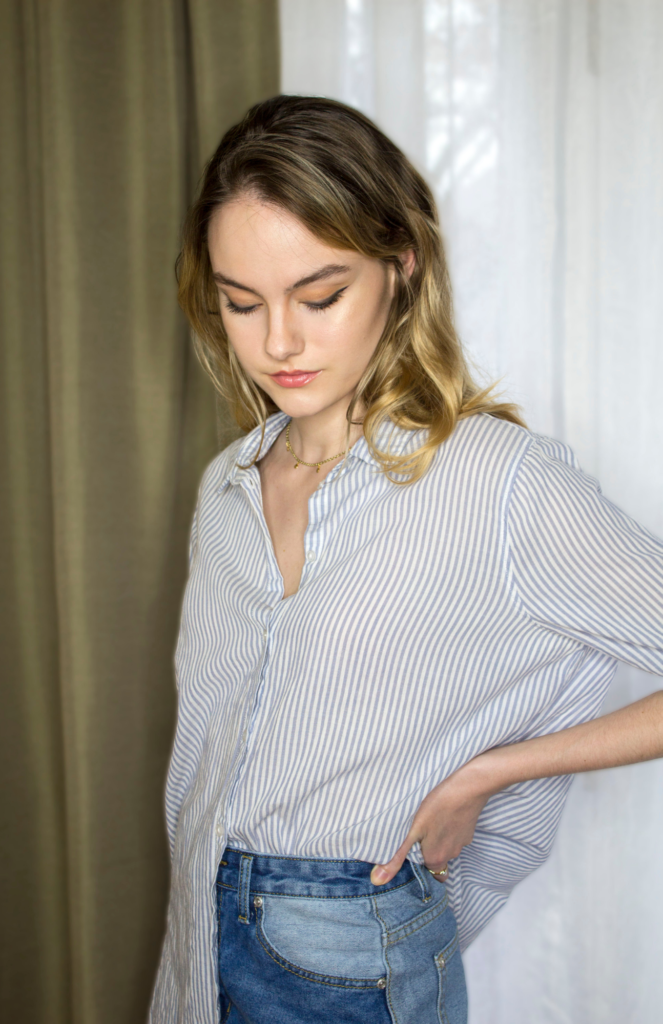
318 275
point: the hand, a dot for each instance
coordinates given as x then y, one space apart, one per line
446 819
444 823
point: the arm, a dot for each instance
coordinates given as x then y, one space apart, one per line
447 817
584 569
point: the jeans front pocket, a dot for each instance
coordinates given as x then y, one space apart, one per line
415 946
452 994
334 942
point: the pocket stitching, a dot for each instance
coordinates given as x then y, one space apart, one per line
449 950
386 956
301 972
420 921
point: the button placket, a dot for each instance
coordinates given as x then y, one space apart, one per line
249 482
251 486
251 708
313 535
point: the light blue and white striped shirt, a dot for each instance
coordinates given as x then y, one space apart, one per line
481 605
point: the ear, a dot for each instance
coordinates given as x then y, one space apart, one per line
409 261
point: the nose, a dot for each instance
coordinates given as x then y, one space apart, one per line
283 341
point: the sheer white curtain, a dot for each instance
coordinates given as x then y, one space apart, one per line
540 125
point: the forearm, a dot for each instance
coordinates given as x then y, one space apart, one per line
634 733
447 817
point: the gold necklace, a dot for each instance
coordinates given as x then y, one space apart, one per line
299 461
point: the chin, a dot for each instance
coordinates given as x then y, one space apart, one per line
295 404
296 410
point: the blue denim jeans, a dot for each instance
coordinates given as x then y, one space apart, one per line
304 941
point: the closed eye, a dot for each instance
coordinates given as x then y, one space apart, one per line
232 307
317 307
326 303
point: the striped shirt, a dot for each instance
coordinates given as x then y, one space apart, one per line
486 603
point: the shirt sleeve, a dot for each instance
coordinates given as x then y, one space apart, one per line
581 566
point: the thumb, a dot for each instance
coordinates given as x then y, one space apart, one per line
383 873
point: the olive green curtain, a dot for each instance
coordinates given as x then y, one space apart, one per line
108 109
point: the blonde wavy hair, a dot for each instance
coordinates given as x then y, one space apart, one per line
331 167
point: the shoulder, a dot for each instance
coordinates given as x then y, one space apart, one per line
495 459
484 437
504 446
549 490
549 471
484 447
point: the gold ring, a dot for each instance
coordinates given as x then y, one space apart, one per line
438 874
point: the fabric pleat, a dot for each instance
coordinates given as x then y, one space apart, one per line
108 112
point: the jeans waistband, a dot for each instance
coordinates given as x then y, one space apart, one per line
303 876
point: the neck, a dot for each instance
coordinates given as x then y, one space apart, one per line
323 435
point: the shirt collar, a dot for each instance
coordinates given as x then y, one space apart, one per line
390 438
251 445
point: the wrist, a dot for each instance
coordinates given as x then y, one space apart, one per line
488 773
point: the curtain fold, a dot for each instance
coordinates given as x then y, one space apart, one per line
108 112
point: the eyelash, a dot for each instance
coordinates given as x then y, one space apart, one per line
232 308
319 307
315 307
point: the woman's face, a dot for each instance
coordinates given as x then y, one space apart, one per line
303 318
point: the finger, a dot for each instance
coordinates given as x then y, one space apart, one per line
440 872
383 873
435 859
436 853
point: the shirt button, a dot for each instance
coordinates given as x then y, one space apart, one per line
244 736
264 634
219 830
310 556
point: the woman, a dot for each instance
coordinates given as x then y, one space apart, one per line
392 582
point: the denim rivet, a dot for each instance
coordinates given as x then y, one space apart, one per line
382 982
439 960
257 901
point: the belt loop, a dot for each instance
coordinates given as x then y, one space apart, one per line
244 887
421 875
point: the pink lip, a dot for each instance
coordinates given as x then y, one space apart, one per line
296 379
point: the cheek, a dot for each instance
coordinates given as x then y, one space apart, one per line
243 335
357 333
